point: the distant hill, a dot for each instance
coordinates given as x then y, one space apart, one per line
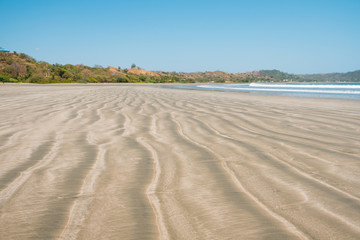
16 67
278 75
334 77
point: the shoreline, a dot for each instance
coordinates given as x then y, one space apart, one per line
175 86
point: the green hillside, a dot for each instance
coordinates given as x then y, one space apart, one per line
16 67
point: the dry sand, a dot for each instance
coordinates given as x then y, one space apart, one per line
138 162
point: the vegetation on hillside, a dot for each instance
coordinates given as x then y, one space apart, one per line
332 77
16 67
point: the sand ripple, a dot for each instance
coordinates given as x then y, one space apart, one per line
139 162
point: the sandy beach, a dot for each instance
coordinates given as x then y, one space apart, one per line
141 162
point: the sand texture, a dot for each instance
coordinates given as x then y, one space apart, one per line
140 162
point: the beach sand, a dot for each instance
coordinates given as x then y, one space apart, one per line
140 162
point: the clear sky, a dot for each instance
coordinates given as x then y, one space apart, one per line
236 36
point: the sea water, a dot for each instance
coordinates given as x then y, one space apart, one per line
321 90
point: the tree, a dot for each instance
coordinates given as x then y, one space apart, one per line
142 78
16 70
122 80
98 66
133 65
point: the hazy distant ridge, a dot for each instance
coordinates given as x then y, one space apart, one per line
349 76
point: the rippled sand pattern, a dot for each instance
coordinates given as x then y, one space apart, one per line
139 162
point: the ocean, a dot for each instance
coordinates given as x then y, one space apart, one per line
317 90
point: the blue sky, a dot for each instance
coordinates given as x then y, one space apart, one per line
185 36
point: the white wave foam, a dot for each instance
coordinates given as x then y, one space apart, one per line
347 86
279 90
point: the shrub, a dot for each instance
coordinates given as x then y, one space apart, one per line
122 80
13 80
92 80
37 79
142 78
4 78
27 57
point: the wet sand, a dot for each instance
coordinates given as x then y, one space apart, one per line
139 162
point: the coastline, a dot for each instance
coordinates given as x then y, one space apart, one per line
125 161
307 90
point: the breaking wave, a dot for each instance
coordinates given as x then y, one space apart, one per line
332 86
332 90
